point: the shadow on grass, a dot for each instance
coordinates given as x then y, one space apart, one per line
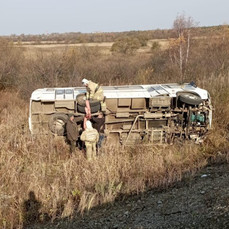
31 210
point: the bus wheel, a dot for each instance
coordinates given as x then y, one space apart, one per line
190 99
57 124
94 109
82 102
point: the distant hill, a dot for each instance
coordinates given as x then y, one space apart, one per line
77 37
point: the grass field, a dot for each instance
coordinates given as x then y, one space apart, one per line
41 169
31 49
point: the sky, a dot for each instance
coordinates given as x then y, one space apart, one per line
86 16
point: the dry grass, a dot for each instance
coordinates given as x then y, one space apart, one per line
62 184
31 50
39 170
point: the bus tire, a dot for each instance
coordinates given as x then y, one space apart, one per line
57 123
190 99
94 109
82 102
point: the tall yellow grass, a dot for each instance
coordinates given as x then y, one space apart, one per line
62 184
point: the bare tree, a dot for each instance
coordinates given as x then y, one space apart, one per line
180 46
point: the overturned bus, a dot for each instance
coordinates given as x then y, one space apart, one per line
157 113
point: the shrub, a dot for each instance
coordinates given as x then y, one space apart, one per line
126 45
10 64
155 46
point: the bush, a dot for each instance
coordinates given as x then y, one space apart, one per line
155 46
126 45
11 60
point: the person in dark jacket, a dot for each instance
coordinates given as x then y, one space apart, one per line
99 125
72 132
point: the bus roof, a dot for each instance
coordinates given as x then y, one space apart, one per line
124 91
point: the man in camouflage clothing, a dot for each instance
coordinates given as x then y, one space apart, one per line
90 136
94 92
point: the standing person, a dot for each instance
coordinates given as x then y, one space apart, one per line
90 136
99 125
72 132
94 91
